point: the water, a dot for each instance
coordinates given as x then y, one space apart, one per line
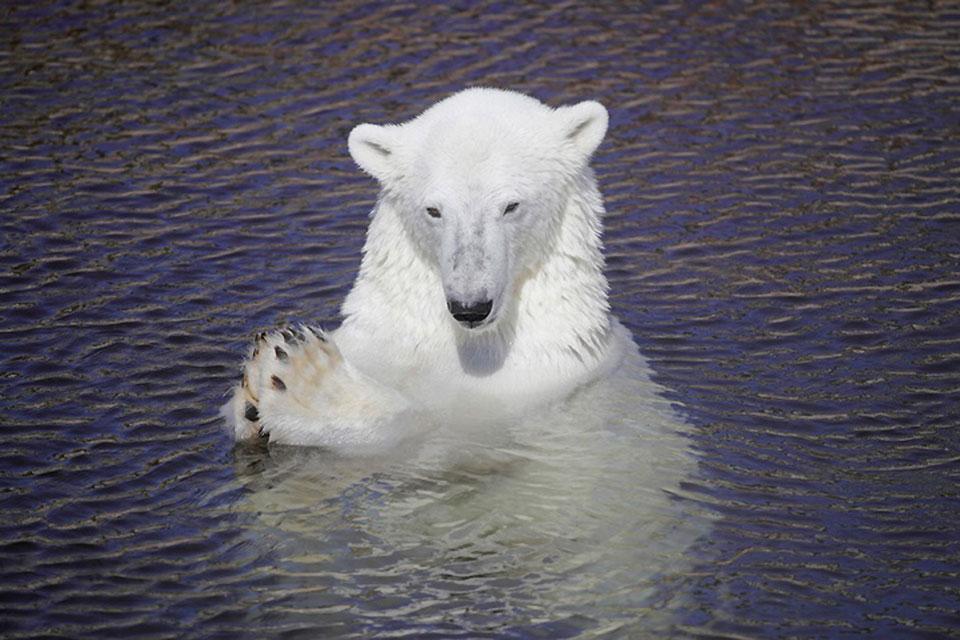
782 182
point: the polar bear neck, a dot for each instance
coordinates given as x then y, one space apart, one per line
556 327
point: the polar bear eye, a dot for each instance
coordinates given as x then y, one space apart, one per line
510 208
433 212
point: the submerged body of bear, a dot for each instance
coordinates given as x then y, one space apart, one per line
481 291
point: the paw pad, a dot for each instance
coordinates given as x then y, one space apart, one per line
283 370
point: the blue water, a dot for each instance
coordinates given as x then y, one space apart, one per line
783 241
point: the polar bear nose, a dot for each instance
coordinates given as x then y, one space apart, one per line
472 314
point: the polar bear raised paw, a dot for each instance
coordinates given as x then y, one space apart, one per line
282 379
295 380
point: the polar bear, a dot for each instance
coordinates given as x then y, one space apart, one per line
481 291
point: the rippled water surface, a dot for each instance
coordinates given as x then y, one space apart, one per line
783 182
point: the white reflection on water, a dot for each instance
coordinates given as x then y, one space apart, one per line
569 514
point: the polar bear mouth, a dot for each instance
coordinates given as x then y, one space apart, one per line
470 315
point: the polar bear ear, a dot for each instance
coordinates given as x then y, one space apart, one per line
583 127
373 147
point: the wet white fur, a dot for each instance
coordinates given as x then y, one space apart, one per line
468 156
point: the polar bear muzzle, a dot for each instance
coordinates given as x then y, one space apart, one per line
471 315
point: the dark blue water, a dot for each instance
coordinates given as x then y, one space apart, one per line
783 183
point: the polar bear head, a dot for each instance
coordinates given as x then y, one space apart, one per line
480 181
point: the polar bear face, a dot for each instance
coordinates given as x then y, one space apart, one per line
481 181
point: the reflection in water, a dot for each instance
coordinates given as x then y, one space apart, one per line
567 518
